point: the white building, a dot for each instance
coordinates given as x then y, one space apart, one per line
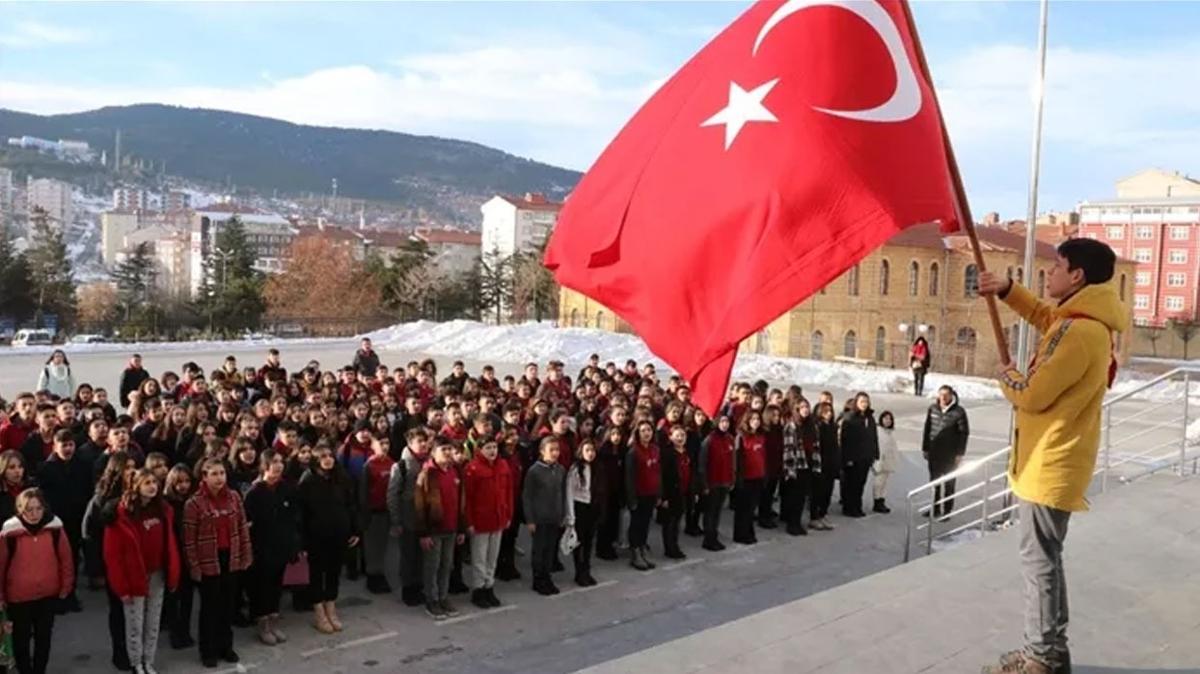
176 200
77 149
516 223
53 196
268 233
6 191
455 252
173 258
130 199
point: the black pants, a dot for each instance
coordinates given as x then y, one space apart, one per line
32 620
854 480
216 610
177 609
944 490
671 520
412 565
116 627
461 552
693 509
639 521
585 530
325 557
793 494
610 525
507 558
766 500
266 587
919 382
713 503
822 494
745 500
545 547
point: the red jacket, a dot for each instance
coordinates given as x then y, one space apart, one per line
456 433
375 476
36 570
752 457
200 515
124 561
13 434
489 494
718 460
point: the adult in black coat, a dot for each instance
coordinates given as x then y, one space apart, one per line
132 378
943 444
860 449
66 481
366 361
673 458
273 512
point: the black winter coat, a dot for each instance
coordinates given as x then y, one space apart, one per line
68 488
328 508
366 362
860 442
672 491
831 449
131 380
274 517
946 433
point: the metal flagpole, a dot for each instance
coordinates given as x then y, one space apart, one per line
1035 165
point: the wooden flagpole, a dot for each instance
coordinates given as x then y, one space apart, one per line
960 193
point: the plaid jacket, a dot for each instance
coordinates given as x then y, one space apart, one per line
795 458
200 534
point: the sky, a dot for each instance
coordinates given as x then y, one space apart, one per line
555 81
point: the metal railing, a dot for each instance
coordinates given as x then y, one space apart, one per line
989 499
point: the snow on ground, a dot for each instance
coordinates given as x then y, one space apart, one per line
537 342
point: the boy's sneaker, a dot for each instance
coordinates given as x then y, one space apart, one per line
448 608
434 610
490 596
412 596
478 599
1014 659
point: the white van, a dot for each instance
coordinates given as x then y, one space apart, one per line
33 338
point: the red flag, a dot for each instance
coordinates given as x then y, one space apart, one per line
800 139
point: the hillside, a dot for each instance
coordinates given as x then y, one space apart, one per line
448 176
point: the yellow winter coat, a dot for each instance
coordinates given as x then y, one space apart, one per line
1058 404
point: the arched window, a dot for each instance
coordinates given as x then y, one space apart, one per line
1020 274
1009 273
850 344
600 320
931 336
762 342
1122 290
885 273
852 281
971 281
1041 283
965 337
818 345
914 278
881 344
933 279
574 318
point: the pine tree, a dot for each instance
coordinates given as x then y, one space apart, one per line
134 277
231 293
16 301
50 271
495 284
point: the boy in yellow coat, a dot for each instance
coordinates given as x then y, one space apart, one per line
1057 431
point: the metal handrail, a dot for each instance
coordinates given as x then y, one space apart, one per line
925 511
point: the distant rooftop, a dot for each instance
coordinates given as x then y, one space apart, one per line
532 201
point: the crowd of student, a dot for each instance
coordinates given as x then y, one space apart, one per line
242 483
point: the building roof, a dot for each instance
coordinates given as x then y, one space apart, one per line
1144 201
929 235
338 234
386 238
449 236
532 201
244 214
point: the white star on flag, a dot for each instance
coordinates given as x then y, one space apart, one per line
743 107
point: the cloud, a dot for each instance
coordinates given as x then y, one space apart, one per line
30 34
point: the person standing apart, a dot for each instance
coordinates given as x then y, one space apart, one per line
1057 431
943 444
860 449
918 359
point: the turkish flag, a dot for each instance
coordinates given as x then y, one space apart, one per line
801 138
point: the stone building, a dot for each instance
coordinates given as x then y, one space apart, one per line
921 282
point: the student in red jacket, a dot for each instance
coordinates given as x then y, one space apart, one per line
217 546
750 472
643 490
141 558
20 424
773 435
372 492
715 479
38 571
489 508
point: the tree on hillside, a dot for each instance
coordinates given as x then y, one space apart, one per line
322 280
16 292
495 284
99 306
50 270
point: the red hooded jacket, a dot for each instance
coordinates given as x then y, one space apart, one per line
124 559
489 494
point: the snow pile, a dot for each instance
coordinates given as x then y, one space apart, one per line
153 347
539 342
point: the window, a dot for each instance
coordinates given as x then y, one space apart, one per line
1115 232
1008 273
850 344
574 318
1020 274
965 337
933 279
1092 236
1174 303
880 344
852 281
1141 254
1142 278
1144 232
818 345
885 272
931 336
1179 233
1176 279
1041 286
914 278
971 281
1122 288
1141 301
1176 256
600 321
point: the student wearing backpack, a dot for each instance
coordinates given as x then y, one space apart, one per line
141 557
38 571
